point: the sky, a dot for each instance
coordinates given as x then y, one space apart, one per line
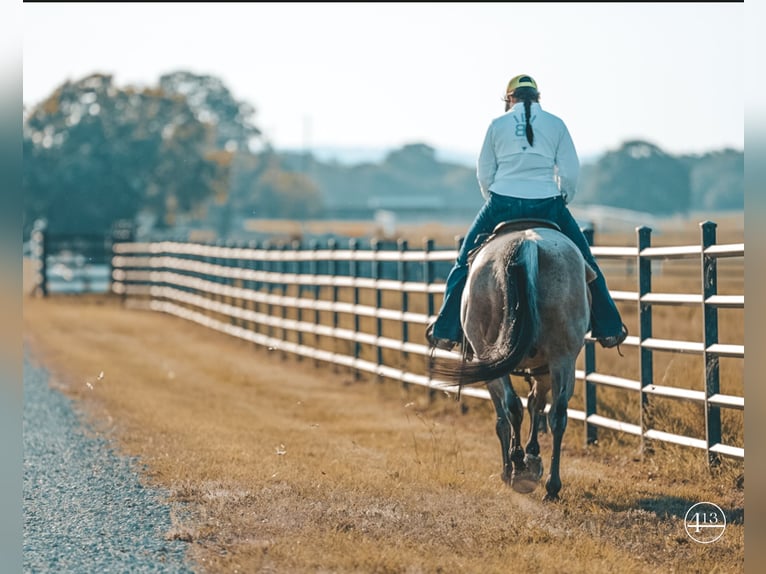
382 75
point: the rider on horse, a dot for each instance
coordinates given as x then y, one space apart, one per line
527 169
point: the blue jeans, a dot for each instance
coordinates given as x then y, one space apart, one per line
605 317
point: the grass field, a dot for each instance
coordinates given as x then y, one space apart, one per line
276 465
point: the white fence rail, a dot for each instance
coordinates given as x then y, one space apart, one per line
288 297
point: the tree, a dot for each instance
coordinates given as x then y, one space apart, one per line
213 104
717 179
639 176
414 158
264 187
408 174
95 153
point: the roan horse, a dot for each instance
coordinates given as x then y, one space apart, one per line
525 311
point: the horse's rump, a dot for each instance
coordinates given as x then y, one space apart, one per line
519 285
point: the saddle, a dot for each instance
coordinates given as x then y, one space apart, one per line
521 224
509 227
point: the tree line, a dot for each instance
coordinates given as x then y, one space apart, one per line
96 153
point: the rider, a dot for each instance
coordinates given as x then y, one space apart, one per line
527 168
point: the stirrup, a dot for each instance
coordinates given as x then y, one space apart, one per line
444 344
615 340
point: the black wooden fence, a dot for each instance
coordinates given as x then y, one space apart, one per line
287 297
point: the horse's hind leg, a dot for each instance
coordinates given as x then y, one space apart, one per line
535 426
562 386
533 460
558 422
508 425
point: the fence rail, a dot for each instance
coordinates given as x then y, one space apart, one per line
276 295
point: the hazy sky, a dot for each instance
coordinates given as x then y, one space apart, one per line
387 74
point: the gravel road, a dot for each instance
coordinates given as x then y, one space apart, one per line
85 509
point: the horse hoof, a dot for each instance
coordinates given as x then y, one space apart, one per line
551 498
534 465
524 482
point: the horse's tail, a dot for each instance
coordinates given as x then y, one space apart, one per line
520 328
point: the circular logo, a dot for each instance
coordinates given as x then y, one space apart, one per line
705 522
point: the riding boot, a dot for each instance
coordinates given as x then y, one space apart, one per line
447 325
606 323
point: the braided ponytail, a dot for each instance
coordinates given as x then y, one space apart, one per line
527 113
528 95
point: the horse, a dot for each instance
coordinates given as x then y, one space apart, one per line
525 310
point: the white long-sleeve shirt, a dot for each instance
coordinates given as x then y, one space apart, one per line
508 165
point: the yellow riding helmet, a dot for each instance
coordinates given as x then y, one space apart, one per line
520 81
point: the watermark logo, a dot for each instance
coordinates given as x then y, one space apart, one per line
705 522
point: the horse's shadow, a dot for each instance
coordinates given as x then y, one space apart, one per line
665 507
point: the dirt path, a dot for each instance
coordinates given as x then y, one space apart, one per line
278 466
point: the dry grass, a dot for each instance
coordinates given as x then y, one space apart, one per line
275 465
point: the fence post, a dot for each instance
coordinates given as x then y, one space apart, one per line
646 366
401 272
269 268
376 245
232 263
590 400
314 273
256 264
353 245
40 249
709 266
297 247
242 283
157 283
428 273
262 286
283 268
217 261
332 271
121 233
251 265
